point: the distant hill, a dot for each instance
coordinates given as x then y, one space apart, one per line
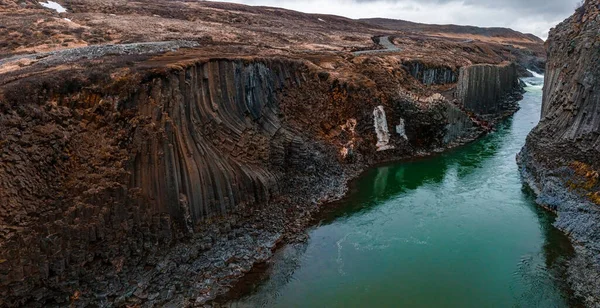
455 30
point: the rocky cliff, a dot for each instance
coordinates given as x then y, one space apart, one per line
431 75
212 158
151 153
484 88
560 160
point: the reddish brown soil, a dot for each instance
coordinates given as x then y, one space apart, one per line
27 27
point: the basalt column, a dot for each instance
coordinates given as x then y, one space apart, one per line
483 88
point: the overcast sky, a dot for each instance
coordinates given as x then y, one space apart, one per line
530 16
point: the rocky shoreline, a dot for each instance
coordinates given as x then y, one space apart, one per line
227 248
208 254
288 152
560 159
576 216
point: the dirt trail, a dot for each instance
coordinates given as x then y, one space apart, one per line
385 42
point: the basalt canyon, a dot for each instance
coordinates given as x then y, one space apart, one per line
153 153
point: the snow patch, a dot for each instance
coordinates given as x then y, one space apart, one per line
67 19
54 6
320 19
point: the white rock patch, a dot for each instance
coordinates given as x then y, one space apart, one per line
54 6
401 129
381 129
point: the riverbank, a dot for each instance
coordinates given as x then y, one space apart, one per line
220 172
577 217
425 223
233 247
560 159
294 231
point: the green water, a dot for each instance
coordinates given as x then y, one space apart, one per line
457 230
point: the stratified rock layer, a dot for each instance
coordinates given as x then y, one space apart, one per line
560 161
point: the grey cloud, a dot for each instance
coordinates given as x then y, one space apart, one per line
531 16
539 7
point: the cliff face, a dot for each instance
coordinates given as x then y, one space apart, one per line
431 75
104 177
151 152
484 88
560 160
212 138
100 172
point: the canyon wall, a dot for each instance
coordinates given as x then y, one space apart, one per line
215 141
560 160
98 177
431 75
459 125
101 174
483 88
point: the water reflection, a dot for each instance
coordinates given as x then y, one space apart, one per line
263 283
381 181
397 178
557 250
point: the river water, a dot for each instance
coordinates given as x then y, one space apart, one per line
456 230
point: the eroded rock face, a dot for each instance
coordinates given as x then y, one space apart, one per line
459 124
401 129
483 88
212 136
381 129
432 75
560 161
124 184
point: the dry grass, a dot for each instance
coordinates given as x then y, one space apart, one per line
588 180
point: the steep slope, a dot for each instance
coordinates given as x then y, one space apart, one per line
560 160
